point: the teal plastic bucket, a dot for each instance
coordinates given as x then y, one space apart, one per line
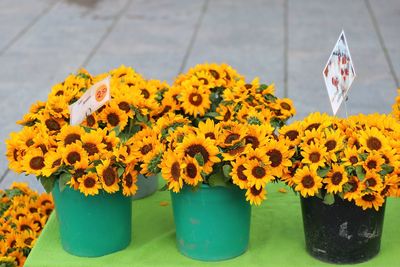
93 226
146 186
212 223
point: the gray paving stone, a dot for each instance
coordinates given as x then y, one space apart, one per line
247 35
388 18
152 37
15 17
313 30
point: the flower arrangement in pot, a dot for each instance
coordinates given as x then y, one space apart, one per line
217 149
344 169
91 168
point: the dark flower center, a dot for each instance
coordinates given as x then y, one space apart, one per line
252 140
371 182
191 170
254 191
353 159
109 176
52 125
292 135
124 106
113 119
337 177
312 126
195 99
145 93
128 180
258 172
71 138
210 135
175 171
37 163
192 150
240 173
368 197
372 164
214 73
308 181
315 157
275 156
374 143
231 137
330 145
90 120
73 157
89 182
146 149
227 115
91 148
285 106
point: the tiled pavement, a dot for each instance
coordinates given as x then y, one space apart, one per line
285 41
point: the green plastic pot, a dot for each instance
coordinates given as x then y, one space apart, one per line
93 226
146 186
212 223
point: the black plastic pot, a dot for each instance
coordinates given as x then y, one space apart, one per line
342 232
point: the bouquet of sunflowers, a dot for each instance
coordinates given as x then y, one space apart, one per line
23 214
356 159
219 131
99 153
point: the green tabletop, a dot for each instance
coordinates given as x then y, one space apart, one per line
276 238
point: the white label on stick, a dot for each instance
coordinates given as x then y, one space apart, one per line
93 99
339 73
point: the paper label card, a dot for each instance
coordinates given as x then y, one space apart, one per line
93 99
339 73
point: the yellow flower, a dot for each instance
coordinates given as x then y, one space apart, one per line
74 154
89 184
279 156
307 180
194 101
390 186
373 162
311 137
373 181
315 155
33 162
92 143
239 178
231 134
258 135
26 239
356 188
316 121
108 176
333 142
209 129
257 174
370 200
70 134
292 134
129 180
18 256
336 178
172 169
191 173
112 116
14 153
372 140
193 144
350 156
26 224
256 196
52 161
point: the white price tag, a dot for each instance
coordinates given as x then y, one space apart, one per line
93 99
339 73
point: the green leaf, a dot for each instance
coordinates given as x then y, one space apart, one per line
64 178
363 156
323 172
270 97
360 172
262 88
211 114
318 195
164 188
199 158
329 199
276 123
386 169
117 130
47 182
217 179
121 171
226 169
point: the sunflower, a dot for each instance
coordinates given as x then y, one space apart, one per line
285 107
373 181
258 135
336 178
89 184
191 173
356 187
311 137
90 121
78 171
11 240
288 174
257 174
234 152
27 137
74 154
39 221
369 200
14 153
316 121
194 144
52 161
142 148
315 155
390 156
45 199
33 162
129 180
237 173
390 186
124 105
194 101
291 133
209 129
52 124
372 140
256 196
307 180
26 224
26 239
373 162
108 176
70 134
231 135
171 169
110 140
333 142
350 156
279 157
47 209
92 143
112 116
18 256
